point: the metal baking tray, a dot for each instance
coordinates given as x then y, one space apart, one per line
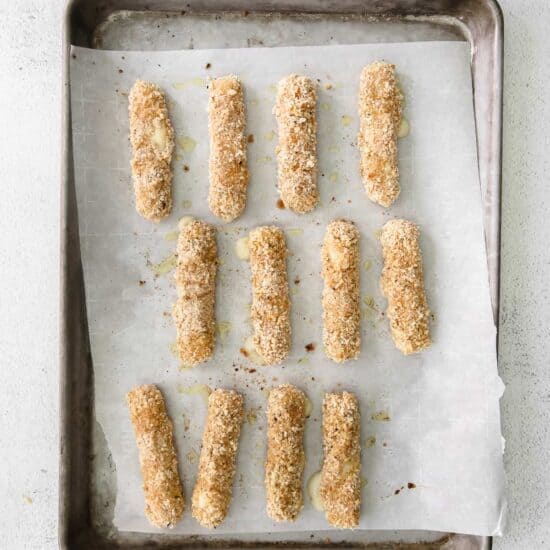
87 477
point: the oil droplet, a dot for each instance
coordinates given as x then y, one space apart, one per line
174 348
370 442
191 82
177 156
367 265
334 149
381 416
186 220
192 456
164 267
404 128
295 231
378 233
27 499
223 328
364 482
265 160
253 354
325 106
187 143
186 204
241 248
269 136
183 367
251 416
369 302
333 177
198 389
345 120
314 491
309 407
293 291
171 236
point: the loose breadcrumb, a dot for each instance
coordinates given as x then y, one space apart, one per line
297 149
220 440
380 111
270 310
402 283
164 501
152 139
286 416
340 476
341 310
227 164
193 312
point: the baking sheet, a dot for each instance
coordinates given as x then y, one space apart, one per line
431 420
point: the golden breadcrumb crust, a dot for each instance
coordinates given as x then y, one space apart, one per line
340 476
286 417
152 140
164 501
380 110
220 440
402 283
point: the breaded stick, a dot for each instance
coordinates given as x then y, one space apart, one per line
340 489
341 312
220 440
270 310
380 110
152 139
227 164
286 417
402 283
193 312
164 501
297 149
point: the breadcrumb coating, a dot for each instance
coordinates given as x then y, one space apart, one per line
402 283
227 163
286 417
194 312
297 148
152 140
220 440
341 310
164 500
340 476
380 111
270 310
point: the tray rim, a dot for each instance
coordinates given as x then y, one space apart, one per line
70 536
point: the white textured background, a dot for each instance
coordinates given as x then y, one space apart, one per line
30 126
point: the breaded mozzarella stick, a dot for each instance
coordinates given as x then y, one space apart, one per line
220 440
402 283
297 148
286 417
152 139
193 312
340 489
164 501
380 110
227 164
341 310
270 311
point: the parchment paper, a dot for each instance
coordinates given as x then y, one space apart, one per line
432 454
